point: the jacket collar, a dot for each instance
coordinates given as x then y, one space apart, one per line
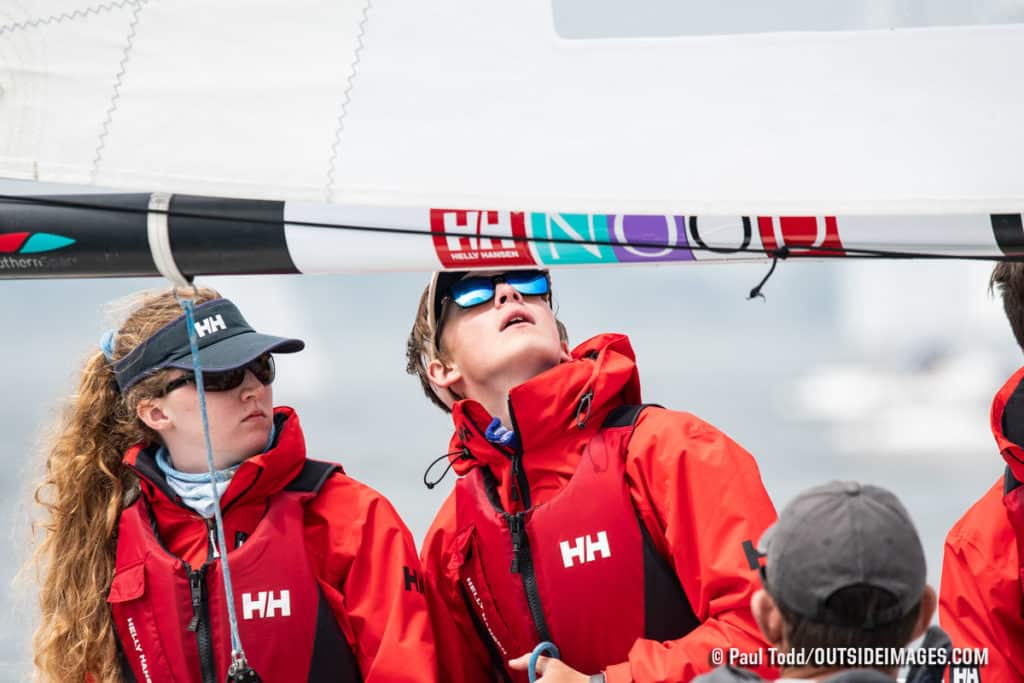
256 479
552 409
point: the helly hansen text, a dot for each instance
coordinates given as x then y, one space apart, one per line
266 605
210 325
585 549
143 664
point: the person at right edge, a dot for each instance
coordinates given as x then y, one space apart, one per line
981 602
580 517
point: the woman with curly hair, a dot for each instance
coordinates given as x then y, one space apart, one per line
323 571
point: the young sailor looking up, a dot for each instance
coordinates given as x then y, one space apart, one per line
981 600
324 574
578 518
844 575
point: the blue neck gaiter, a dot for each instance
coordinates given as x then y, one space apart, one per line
195 487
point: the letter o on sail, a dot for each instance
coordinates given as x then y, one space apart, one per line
718 231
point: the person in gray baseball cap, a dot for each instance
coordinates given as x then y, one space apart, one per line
843 572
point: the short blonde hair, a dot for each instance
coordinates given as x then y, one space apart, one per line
421 345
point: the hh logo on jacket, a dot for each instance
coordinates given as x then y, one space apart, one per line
585 549
265 605
966 676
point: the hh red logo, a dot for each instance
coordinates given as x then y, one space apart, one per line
465 238
804 235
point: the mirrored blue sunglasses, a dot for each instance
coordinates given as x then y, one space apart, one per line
473 291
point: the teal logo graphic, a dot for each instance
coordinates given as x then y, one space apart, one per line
576 234
32 243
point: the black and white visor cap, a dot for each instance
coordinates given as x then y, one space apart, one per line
225 340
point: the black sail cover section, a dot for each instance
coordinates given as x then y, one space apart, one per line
105 235
238 237
39 240
1008 230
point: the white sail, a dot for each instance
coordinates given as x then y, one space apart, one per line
454 103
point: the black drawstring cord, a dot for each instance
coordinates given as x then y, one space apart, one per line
462 453
781 252
583 409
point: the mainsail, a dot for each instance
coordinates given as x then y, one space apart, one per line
502 142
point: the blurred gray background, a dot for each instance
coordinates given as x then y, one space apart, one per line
881 372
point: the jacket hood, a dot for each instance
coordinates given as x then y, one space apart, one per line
555 407
1007 420
257 477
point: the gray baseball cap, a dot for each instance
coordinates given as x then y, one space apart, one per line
838 535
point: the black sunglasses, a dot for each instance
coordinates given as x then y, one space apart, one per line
262 367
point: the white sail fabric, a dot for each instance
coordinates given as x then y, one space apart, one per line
456 103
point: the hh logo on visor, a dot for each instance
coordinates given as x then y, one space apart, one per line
210 325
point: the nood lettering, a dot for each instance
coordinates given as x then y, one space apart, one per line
572 237
802 235
715 235
649 238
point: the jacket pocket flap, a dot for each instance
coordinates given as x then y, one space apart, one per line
129 583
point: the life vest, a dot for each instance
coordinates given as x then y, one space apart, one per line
172 621
579 570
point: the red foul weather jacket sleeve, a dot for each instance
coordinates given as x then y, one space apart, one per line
980 597
461 654
704 493
367 564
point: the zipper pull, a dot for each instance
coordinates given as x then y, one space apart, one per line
516 468
212 537
195 584
515 526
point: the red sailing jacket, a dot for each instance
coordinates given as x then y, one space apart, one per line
697 492
584 560
345 604
981 602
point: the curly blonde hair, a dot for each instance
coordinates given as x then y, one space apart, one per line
82 494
